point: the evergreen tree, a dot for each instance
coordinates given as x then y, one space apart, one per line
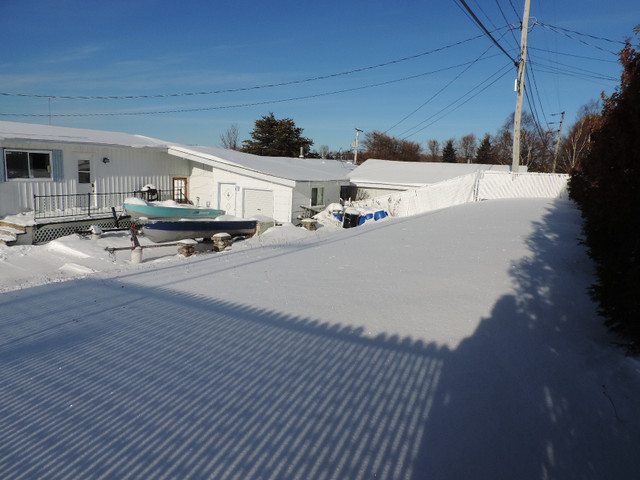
606 190
449 153
276 138
484 154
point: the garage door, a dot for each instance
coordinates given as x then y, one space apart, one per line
258 202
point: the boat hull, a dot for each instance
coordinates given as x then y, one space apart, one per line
161 231
136 211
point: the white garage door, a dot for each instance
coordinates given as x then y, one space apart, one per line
258 202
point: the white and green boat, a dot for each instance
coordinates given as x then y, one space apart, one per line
136 208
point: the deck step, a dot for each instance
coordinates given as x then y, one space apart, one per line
7 238
9 233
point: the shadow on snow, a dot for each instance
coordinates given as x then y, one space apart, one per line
108 379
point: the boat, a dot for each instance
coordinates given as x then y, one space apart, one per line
136 209
172 230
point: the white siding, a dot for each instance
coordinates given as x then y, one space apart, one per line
302 194
128 169
205 181
368 192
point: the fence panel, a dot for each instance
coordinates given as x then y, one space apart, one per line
470 188
494 185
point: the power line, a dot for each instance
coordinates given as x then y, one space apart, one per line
458 106
242 89
533 108
536 89
573 55
477 20
441 90
485 14
225 107
575 72
507 21
507 70
561 32
595 37
514 9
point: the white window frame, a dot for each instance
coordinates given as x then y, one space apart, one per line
84 171
319 190
29 165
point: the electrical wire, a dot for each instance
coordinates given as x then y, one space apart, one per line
243 89
534 111
533 82
484 29
225 107
573 55
499 75
595 37
485 14
574 72
507 22
561 32
458 106
441 89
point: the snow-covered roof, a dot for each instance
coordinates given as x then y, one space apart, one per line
414 174
299 169
296 169
13 131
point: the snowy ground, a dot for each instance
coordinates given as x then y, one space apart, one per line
454 344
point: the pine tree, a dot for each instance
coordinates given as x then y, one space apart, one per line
484 154
276 138
449 153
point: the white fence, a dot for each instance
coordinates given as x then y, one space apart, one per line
470 188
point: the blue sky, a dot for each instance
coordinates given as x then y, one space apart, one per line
419 70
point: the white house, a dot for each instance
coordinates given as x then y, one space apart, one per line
49 160
246 185
380 177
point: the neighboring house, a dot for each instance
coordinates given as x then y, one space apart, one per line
49 160
245 185
376 178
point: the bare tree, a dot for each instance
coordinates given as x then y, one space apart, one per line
434 149
467 146
382 146
323 150
535 145
575 146
229 139
503 147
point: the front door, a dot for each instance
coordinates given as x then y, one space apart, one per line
85 200
180 189
227 198
85 178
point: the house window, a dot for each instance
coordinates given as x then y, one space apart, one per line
84 171
27 164
317 196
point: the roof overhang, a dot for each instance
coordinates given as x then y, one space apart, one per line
221 163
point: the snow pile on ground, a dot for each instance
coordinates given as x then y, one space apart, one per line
455 344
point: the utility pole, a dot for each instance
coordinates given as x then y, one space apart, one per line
355 157
555 155
520 89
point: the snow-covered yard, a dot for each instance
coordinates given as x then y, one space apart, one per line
455 344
